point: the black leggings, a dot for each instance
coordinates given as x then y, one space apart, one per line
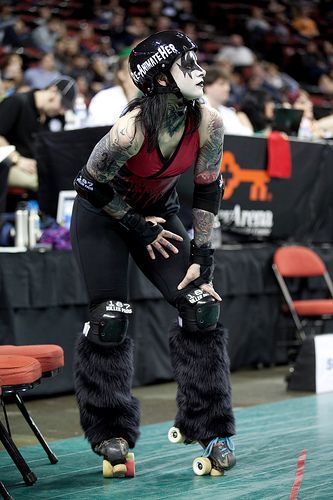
103 376
102 247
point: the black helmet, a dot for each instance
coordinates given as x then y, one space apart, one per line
155 55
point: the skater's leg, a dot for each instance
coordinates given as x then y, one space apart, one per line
199 355
201 366
104 358
103 379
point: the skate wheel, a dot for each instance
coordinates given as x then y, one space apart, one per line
107 469
175 436
130 465
201 466
119 470
215 472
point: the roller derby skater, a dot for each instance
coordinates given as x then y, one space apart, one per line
127 204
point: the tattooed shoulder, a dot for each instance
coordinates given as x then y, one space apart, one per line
127 134
211 123
113 150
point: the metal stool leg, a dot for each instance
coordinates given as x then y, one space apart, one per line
27 474
4 492
52 457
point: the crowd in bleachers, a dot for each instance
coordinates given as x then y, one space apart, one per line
272 47
259 55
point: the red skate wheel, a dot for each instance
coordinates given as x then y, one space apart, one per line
130 464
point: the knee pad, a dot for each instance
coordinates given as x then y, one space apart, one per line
108 323
198 311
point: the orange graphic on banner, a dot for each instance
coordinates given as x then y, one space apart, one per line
258 179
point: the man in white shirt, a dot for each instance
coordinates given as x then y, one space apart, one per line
107 105
217 88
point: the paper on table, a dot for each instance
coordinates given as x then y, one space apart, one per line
5 151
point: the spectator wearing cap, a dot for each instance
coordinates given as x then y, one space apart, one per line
22 116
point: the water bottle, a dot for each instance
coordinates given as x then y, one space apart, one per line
217 233
33 223
80 111
21 225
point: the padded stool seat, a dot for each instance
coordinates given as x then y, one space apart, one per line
17 370
50 356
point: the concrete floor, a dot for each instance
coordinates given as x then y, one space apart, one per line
58 416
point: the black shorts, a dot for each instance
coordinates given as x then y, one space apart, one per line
102 248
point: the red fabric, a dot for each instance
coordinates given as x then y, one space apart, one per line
315 307
297 261
146 164
279 156
16 370
50 356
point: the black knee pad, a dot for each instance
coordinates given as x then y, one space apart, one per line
198 311
108 323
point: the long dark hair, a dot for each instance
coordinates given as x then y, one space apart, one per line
152 113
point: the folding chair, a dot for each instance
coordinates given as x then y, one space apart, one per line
51 359
19 372
291 262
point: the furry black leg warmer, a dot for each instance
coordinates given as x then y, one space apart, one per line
201 367
103 379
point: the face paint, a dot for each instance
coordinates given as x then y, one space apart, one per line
188 75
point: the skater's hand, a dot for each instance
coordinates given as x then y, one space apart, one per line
192 274
161 244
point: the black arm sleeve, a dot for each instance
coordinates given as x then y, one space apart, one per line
208 196
97 193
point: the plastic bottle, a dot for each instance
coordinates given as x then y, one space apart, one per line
33 223
80 111
217 233
21 225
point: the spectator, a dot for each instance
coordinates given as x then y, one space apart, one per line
107 105
259 108
237 53
17 35
22 115
43 74
303 23
217 88
46 35
11 75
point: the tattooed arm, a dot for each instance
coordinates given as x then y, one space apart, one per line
207 171
109 155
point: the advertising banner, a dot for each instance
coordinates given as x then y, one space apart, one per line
258 207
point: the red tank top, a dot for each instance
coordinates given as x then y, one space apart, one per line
148 179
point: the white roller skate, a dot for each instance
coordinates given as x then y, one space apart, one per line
218 454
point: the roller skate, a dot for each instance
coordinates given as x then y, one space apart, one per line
118 462
218 454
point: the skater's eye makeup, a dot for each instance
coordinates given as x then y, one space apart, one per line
188 64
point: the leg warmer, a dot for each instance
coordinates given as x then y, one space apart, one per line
103 379
201 367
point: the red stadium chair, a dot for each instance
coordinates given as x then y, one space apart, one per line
292 262
22 373
51 359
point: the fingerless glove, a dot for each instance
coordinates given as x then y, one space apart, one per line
144 231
